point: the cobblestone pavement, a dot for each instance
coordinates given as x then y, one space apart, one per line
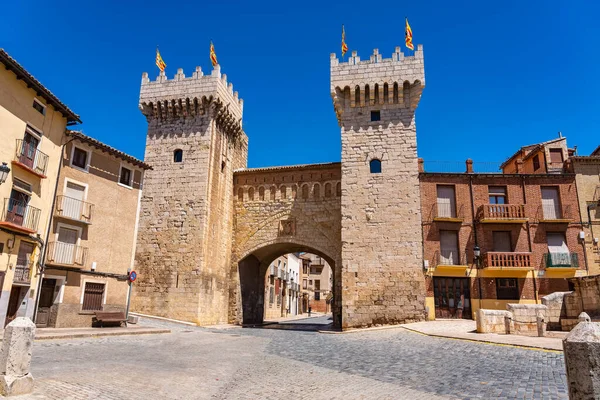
236 363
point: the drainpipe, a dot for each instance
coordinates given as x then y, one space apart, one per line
528 227
474 225
43 255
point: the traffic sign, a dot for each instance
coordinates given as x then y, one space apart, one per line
132 276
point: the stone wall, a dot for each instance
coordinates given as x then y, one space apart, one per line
524 317
491 321
375 102
556 309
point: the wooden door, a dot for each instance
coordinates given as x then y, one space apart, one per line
502 242
449 248
452 297
28 150
14 302
17 207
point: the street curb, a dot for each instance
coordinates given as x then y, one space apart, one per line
485 341
358 330
164 319
102 334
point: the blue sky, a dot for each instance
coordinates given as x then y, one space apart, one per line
499 74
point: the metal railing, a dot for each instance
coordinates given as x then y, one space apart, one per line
72 208
22 272
20 214
501 211
66 254
28 155
450 257
450 211
495 259
561 260
548 212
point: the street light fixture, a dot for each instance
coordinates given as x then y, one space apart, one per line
477 252
4 170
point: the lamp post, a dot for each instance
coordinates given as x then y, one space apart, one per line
4 170
477 257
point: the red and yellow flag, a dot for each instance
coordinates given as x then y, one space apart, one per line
344 45
159 61
213 55
408 36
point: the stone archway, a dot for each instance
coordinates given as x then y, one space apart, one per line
279 211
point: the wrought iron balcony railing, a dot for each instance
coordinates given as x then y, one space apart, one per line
22 272
496 259
66 254
29 156
20 214
502 213
69 207
561 260
554 213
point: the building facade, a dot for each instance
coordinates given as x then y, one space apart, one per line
33 123
281 287
93 233
317 283
493 239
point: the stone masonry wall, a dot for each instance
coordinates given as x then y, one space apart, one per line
382 272
184 238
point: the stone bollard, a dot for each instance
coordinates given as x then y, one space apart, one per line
584 317
541 324
507 324
15 358
582 361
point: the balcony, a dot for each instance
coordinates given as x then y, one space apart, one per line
561 260
22 273
505 260
29 158
66 254
19 216
502 213
444 212
450 258
554 214
73 209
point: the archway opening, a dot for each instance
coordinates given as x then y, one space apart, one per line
282 283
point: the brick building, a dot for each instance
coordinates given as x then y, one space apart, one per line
317 283
525 227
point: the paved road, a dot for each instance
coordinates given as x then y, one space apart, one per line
197 363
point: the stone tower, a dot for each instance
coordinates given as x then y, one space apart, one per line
382 272
195 141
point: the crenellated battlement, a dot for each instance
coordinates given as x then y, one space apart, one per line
197 95
395 82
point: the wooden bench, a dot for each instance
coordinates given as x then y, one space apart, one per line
110 317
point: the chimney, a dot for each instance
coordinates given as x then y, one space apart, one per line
421 165
469 166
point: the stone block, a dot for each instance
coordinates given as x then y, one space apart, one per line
491 321
582 361
15 358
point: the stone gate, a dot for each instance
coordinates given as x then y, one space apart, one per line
209 227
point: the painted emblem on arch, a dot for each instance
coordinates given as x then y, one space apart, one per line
287 227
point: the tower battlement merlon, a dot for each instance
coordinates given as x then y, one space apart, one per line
189 96
377 82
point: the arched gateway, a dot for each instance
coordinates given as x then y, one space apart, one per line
209 227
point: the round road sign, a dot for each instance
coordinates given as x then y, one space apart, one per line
132 276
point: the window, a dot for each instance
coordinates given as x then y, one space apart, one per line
317 284
502 242
303 283
178 156
558 250
375 166
497 195
125 177
317 295
376 115
556 156
80 158
507 289
446 201
271 295
39 107
536 162
551 202
305 269
310 282
92 296
449 248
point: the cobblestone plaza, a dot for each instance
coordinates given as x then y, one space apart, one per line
242 363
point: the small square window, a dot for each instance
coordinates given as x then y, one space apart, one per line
375 115
39 107
79 158
125 176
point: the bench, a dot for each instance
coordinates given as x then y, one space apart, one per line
110 317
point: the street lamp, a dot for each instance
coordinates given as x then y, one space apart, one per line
4 170
477 253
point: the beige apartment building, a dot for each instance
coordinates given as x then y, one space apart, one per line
32 126
92 239
317 283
